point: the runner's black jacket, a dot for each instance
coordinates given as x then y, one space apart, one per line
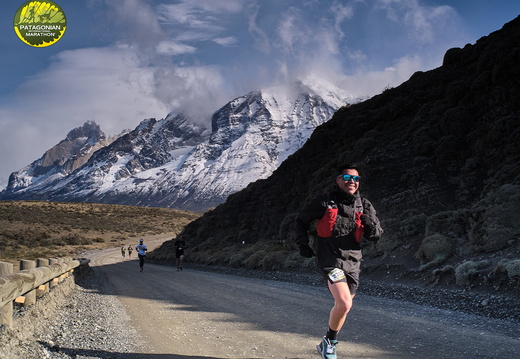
342 242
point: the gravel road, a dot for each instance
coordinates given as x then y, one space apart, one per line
119 312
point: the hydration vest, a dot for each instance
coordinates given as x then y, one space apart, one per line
325 225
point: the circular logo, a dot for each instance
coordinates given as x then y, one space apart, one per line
40 23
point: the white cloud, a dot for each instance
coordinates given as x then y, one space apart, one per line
340 13
106 85
289 33
421 21
369 83
357 56
197 16
226 41
260 39
136 22
197 91
173 48
198 13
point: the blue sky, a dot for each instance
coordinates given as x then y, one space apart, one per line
121 61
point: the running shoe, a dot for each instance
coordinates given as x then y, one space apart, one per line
327 348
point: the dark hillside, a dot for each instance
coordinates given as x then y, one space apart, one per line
440 161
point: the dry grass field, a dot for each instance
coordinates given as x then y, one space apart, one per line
35 229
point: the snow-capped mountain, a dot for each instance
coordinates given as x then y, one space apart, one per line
61 160
179 164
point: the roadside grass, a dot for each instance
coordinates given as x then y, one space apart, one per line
37 229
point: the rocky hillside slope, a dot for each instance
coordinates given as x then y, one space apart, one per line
440 159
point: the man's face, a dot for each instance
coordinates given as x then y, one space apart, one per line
349 186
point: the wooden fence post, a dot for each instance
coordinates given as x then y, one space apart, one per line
30 297
44 288
53 283
6 313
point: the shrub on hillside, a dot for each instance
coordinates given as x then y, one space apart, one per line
253 261
73 239
513 269
497 219
434 250
510 267
239 257
286 229
401 231
274 260
466 272
412 225
446 273
294 261
448 223
391 238
447 153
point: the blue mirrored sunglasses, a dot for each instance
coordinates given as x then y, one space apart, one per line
350 177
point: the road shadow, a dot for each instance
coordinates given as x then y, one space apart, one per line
104 354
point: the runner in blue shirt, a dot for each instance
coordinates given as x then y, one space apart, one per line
141 253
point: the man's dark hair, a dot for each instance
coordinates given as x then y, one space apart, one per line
347 166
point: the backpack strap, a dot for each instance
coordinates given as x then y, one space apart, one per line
358 211
325 225
358 205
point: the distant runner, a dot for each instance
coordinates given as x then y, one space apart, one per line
141 253
180 245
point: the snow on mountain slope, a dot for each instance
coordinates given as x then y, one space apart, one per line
252 135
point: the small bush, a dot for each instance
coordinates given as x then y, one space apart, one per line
448 223
434 250
497 220
388 243
253 261
294 261
74 240
237 259
274 260
467 270
216 258
511 267
446 273
412 225
286 230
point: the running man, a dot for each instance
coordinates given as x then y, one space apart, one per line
141 253
344 217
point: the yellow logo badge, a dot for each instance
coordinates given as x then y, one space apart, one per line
40 23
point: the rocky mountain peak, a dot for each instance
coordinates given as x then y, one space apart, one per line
90 130
62 159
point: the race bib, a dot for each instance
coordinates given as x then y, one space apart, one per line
336 275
